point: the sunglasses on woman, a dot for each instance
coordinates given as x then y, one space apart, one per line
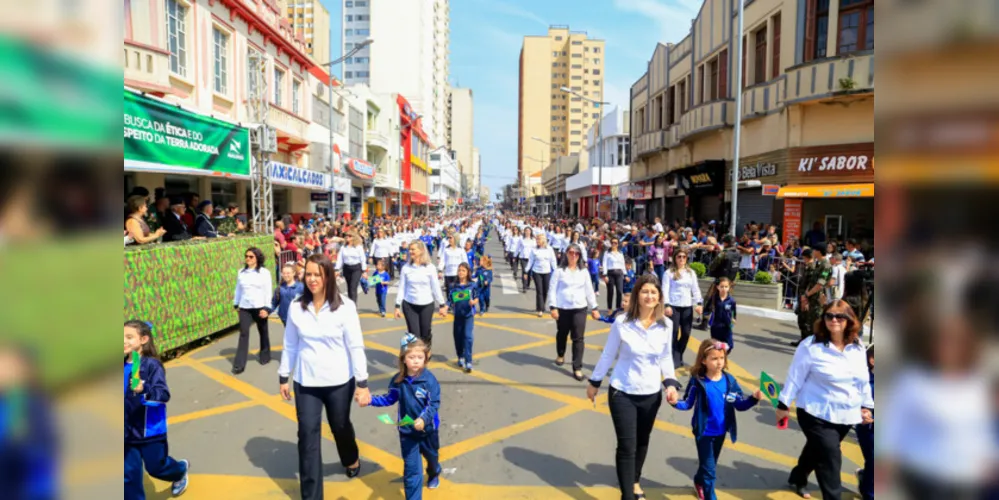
836 317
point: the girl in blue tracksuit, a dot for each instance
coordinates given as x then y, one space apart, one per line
28 437
593 265
418 394
145 417
464 314
723 313
484 278
470 253
381 289
428 241
286 293
715 396
629 276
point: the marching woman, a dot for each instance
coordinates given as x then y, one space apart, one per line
253 299
830 383
451 257
353 263
381 250
570 297
613 269
527 243
540 263
324 357
640 341
511 242
683 299
417 283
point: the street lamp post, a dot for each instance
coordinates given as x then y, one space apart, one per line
332 170
600 141
738 123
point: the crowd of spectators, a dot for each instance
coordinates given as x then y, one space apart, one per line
163 218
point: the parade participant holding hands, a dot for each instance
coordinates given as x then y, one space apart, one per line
419 289
613 270
353 263
464 297
324 357
640 340
683 299
571 296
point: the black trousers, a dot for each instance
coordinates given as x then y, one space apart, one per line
615 287
352 275
571 321
248 317
821 454
541 282
683 320
309 404
419 320
634 417
526 279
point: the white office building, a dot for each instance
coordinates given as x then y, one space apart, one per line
445 180
409 55
616 146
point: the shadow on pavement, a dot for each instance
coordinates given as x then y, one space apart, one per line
561 473
764 344
733 477
278 459
521 358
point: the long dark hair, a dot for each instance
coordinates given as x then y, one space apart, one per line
580 263
328 271
634 307
145 329
261 260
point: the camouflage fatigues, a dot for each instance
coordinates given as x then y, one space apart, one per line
817 272
226 226
153 219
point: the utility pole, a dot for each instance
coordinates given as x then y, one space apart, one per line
738 122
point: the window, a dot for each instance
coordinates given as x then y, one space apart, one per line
576 122
596 60
596 82
361 3
577 54
683 96
576 99
760 70
577 77
220 45
856 26
596 50
775 72
575 143
577 66
558 39
348 32
596 115
596 72
563 53
576 110
699 90
348 74
555 54
278 85
177 36
670 105
554 64
363 74
362 60
348 3
363 32
577 42
252 58
363 17
816 29
350 18
348 46
349 60
296 104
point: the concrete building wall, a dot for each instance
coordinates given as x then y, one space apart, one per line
463 128
311 20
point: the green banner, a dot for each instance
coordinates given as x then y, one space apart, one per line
164 136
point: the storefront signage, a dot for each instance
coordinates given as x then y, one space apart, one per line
163 137
600 190
792 220
770 189
760 169
835 163
319 197
288 175
640 191
852 163
361 168
703 178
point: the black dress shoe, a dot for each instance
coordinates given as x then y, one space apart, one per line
237 371
352 473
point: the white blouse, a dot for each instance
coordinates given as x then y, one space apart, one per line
829 384
613 261
644 357
351 256
417 284
571 289
450 259
525 247
254 289
684 292
542 260
325 348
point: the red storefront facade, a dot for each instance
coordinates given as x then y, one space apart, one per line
414 163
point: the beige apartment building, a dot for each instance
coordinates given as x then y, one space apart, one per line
553 123
807 143
462 125
311 19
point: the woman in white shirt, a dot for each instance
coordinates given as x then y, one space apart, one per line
640 341
830 383
512 241
613 271
451 257
417 283
324 357
540 263
381 249
571 295
353 263
524 248
254 287
683 299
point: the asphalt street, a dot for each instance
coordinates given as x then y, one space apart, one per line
517 427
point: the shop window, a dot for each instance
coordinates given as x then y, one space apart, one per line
816 29
760 69
856 26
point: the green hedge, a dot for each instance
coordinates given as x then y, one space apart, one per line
699 269
185 289
763 278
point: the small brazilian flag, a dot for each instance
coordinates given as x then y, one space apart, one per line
374 280
386 419
136 364
460 295
769 388
406 421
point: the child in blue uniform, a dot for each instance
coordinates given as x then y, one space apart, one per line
286 293
428 241
715 396
145 418
610 318
723 313
418 394
484 277
470 252
629 276
381 289
464 315
593 266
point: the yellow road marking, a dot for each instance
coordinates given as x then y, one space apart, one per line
541 335
492 437
524 347
211 412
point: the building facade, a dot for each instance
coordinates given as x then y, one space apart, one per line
415 147
445 183
552 122
463 131
806 155
410 53
310 20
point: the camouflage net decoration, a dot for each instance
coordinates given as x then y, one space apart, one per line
186 289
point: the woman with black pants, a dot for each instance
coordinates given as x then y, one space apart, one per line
418 282
613 270
254 287
450 258
352 261
570 297
683 299
324 357
640 341
830 383
541 262
527 243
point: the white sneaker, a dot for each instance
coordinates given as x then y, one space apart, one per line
180 487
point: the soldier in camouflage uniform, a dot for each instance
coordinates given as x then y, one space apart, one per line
815 281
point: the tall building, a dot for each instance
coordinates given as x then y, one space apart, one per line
476 172
311 20
562 58
462 131
409 55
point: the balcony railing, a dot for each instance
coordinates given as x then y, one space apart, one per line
146 67
708 116
830 78
764 98
377 139
649 142
285 121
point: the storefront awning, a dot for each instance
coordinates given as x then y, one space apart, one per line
827 191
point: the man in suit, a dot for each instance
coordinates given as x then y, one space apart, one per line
173 222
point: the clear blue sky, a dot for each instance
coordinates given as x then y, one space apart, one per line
486 38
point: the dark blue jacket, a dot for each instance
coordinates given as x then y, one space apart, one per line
418 397
594 266
722 313
28 448
284 295
693 399
629 285
145 413
471 258
484 277
464 308
612 317
382 288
